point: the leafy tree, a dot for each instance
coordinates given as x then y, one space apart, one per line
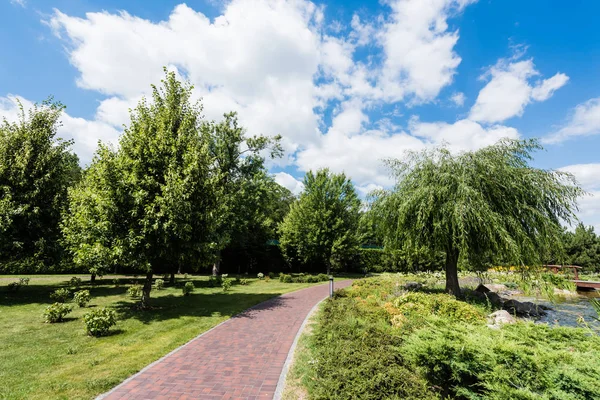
36 168
238 166
321 226
582 248
92 227
489 201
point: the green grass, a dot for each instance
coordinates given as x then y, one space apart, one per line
41 361
376 341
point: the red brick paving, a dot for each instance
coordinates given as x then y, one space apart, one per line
239 359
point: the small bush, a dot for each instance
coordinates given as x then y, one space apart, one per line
215 281
286 278
243 281
186 276
188 288
226 284
272 275
134 291
24 281
260 275
159 284
14 286
75 282
267 278
98 322
116 282
56 312
82 298
322 277
61 295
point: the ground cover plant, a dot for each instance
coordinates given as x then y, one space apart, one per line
61 360
376 340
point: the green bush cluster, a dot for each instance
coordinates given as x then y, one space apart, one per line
188 288
24 281
226 284
14 286
303 278
215 281
244 281
134 291
383 260
61 295
357 351
159 284
98 322
56 312
82 298
75 282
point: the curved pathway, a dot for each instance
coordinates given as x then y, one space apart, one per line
242 358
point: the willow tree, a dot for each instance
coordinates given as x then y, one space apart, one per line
472 204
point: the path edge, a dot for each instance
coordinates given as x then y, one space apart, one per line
114 389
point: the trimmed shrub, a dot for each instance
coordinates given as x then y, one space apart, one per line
98 322
272 275
159 284
188 288
56 312
134 291
215 281
75 282
322 277
61 295
24 281
116 282
260 275
286 278
14 286
226 284
82 298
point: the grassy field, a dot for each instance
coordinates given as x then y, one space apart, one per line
42 361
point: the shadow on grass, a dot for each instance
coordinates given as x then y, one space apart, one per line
40 294
200 305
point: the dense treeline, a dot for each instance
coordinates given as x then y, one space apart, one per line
181 194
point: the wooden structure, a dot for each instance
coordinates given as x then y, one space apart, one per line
581 285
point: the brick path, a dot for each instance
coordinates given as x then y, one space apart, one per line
239 359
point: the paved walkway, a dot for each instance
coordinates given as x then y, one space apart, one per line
242 358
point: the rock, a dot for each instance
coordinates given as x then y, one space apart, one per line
413 286
482 289
495 299
524 308
491 287
499 318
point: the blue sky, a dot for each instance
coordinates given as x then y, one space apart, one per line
346 83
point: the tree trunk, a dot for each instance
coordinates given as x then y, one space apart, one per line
93 279
216 268
145 302
452 285
172 279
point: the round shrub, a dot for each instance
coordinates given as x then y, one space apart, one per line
322 277
14 286
61 295
260 275
98 322
159 283
226 285
286 278
24 281
272 275
188 288
82 298
134 291
75 282
215 281
56 312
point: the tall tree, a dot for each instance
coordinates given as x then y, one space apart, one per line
321 226
489 201
36 168
238 165
582 248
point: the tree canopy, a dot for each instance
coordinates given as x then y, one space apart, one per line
36 168
582 247
321 227
478 203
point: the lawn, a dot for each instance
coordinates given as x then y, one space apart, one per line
41 361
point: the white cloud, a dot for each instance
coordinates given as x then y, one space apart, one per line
419 48
588 176
458 99
18 2
85 133
288 181
584 121
509 90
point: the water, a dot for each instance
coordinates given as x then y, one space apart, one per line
569 311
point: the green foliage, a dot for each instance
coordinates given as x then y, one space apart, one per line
188 288
285 278
61 295
134 291
14 286
159 284
477 206
99 321
272 275
596 305
244 281
391 344
226 284
56 312
321 227
260 275
24 281
82 298
582 248
215 281
75 282
36 168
